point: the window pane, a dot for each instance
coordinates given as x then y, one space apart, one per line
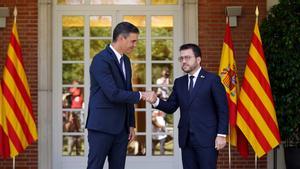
162 132
139 52
73 145
162 123
162 144
137 147
73 97
138 73
138 21
72 72
164 2
118 2
97 45
163 92
70 2
73 26
100 26
73 121
162 26
162 49
158 72
140 120
73 50
141 104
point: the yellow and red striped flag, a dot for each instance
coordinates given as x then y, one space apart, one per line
4 144
16 99
229 79
256 113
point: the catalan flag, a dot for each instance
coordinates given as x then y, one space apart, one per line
229 79
16 104
256 115
4 144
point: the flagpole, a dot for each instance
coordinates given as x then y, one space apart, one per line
256 14
15 20
229 148
15 14
229 131
255 161
14 163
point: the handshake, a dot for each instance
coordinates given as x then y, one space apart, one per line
149 96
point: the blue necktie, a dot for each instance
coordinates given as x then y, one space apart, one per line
191 86
121 66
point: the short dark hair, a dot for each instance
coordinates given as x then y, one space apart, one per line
124 28
196 49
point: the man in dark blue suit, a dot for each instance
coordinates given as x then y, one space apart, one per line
110 120
203 107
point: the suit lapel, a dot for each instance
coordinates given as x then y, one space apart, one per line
185 88
198 84
117 62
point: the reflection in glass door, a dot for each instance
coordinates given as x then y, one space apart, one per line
81 35
158 38
72 114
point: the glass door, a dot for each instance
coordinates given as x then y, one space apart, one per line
79 35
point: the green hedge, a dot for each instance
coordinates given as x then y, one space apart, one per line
280 33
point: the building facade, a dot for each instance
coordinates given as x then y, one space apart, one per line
59 39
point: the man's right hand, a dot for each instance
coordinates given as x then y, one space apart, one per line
149 96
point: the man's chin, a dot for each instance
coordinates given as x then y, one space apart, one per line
129 51
186 70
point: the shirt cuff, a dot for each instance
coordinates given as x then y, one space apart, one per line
156 103
140 95
221 135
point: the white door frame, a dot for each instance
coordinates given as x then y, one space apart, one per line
46 69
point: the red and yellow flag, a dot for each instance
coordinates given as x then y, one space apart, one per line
256 113
16 104
4 144
228 74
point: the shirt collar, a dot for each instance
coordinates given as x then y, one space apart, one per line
116 52
196 73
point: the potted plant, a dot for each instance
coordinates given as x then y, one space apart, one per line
280 33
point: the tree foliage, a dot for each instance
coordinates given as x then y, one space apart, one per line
281 40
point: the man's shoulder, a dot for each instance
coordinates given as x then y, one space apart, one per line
181 78
104 54
209 74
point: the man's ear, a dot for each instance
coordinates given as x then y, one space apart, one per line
198 59
120 38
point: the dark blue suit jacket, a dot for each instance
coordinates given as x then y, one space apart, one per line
111 101
204 113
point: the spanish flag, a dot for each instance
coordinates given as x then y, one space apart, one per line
16 106
256 115
229 79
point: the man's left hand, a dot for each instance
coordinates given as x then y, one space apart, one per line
220 142
131 134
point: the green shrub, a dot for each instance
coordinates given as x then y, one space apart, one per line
280 33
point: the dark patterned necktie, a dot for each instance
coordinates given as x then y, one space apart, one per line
121 66
191 86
